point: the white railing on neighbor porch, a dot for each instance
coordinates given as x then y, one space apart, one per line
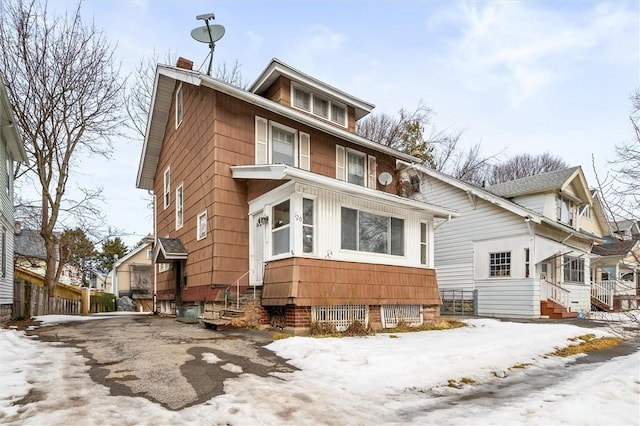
554 293
603 291
621 288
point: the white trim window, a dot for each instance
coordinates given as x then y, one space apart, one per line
281 228
320 106
179 207
500 264
573 269
149 254
163 267
308 227
201 225
280 144
8 172
167 187
527 263
355 167
566 211
424 244
179 106
371 232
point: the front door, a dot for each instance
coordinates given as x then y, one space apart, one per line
256 255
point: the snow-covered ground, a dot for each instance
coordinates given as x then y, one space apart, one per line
381 379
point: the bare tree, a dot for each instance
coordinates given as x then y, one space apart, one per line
67 95
523 165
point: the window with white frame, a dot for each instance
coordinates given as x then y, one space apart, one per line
279 144
317 105
202 225
355 167
585 211
573 269
423 244
281 228
565 211
167 187
527 264
500 264
370 232
179 207
179 106
149 254
163 267
307 225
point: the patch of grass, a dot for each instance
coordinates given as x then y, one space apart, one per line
453 384
467 381
280 336
523 365
323 329
459 384
393 336
439 324
357 328
588 343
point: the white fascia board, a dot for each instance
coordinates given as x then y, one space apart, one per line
478 192
281 171
131 254
15 144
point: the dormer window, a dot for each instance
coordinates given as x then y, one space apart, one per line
317 105
565 211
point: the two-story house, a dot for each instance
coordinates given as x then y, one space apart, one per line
11 150
517 245
272 188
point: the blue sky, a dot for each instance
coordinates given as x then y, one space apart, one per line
518 77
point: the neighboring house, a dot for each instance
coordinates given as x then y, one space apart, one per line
517 244
616 269
31 255
626 229
271 189
131 276
11 150
97 280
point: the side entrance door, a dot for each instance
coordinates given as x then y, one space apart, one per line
256 249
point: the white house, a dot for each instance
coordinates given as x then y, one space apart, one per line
11 150
518 244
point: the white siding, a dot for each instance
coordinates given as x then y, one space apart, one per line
459 277
579 297
509 298
535 202
6 282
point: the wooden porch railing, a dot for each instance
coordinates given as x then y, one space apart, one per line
603 292
620 287
555 293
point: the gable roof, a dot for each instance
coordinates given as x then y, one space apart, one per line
131 253
166 78
170 249
484 194
557 180
277 68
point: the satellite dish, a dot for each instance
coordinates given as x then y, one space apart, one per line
385 178
208 34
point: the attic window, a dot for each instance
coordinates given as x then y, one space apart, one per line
565 211
319 106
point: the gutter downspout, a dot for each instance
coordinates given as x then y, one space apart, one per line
155 268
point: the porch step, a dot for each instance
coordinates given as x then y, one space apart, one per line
556 311
598 305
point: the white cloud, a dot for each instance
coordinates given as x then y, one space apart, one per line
527 49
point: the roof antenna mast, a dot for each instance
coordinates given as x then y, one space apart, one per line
208 34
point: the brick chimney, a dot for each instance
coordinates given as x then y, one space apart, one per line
184 63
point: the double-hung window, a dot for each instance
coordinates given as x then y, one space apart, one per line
370 232
423 244
167 187
179 207
565 211
355 167
500 264
281 228
201 226
279 144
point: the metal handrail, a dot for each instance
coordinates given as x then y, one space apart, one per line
237 284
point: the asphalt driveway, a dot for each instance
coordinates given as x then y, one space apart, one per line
164 360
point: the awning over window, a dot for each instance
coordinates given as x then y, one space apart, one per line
169 250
